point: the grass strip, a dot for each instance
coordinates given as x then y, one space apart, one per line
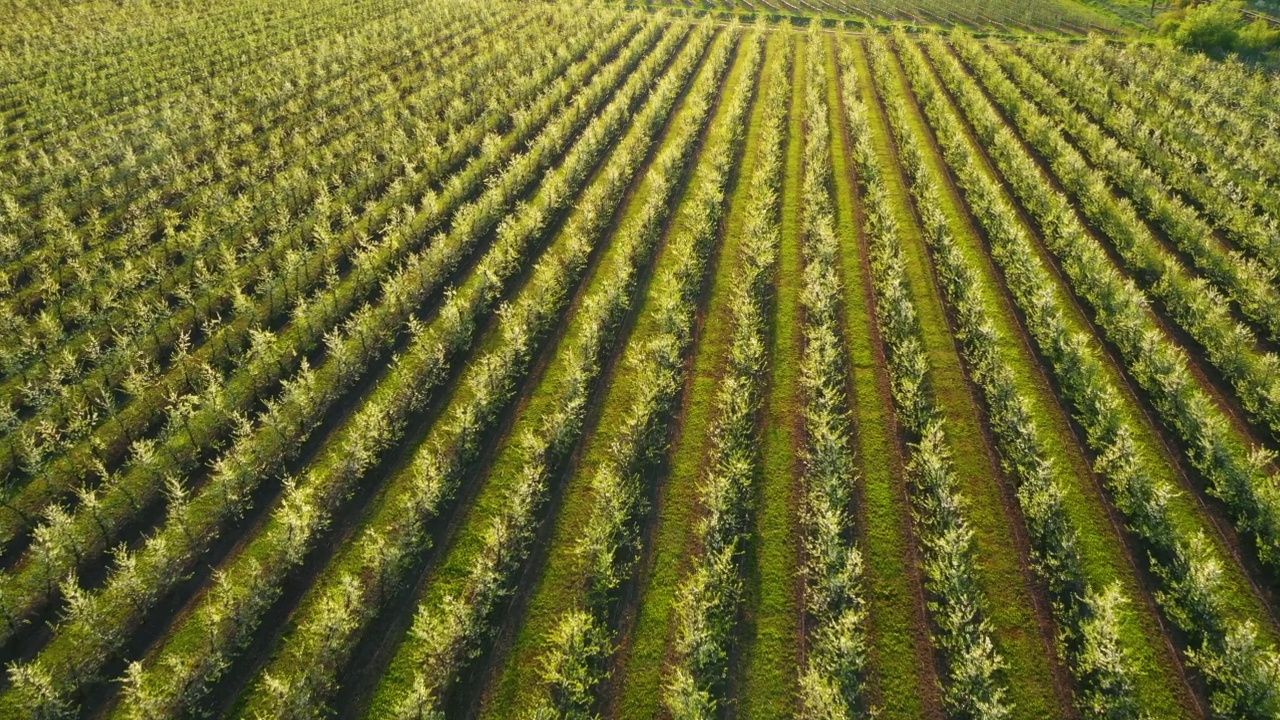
771 632
999 566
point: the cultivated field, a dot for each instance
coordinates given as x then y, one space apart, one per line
487 359
1064 16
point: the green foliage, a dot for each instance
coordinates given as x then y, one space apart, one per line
1088 620
1001 16
253 579
974 686
1192 594
1239 471
573 667
1210 27
832 683
608 542
1217 28
708 598
1259 36
248 273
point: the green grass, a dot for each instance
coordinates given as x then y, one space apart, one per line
1136 12
449 576
187 637
901 664
1101 546
559 586
1190 516
1000 564
772 633
642 663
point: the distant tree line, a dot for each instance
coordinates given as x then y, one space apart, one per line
1217 27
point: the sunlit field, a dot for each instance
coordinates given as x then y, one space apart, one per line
747 359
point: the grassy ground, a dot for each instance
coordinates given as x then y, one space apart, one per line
1135 11
447 578
1248 430
1188 512
1188 508
770 641
367 505
642 662
771 634
1101 545
1003 574
559 584
903 679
